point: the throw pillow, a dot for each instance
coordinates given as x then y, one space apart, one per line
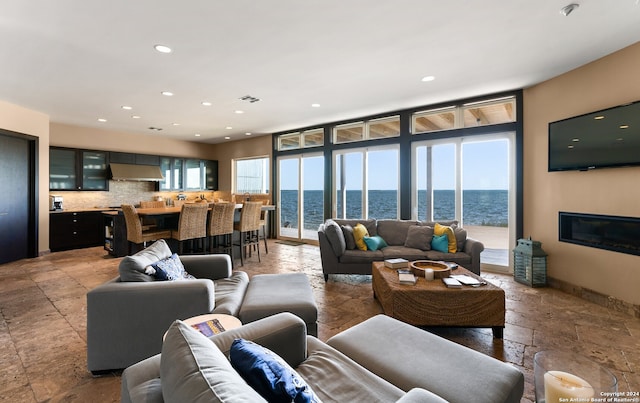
448 231
359 232
461 237
269 374
347 231
419 237
374 242
440 243
170 268
132 268
334 234
193 369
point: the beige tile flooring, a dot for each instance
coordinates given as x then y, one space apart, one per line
43 323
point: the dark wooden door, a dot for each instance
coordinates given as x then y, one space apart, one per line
16 192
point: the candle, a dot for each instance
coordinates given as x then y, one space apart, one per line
428 274
562 386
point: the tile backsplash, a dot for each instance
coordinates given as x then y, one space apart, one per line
120 192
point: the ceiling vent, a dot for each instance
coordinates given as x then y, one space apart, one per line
249 98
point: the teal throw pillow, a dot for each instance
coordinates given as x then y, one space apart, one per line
440 243
374 242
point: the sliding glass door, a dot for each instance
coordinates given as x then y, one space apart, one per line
301 196
471 181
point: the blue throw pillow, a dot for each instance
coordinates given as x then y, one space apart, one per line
170 268
440 243
374 242
268 374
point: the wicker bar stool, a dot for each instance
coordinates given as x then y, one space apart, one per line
248 226
192 224
150 222
135 234
221 226
152 204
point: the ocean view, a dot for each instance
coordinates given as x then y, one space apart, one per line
480 207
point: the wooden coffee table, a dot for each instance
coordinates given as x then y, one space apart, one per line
431 303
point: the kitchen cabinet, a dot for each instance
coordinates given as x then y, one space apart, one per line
115 234
211 175
73 169
74 230
136 159
188 174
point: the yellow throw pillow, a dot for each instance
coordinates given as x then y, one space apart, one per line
359 232
451 237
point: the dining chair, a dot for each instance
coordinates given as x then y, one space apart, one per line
263 224
192 224
148 222
248 227
136 235
220 228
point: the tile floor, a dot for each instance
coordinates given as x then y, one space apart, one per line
43 323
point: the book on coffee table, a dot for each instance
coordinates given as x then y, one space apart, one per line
209 327
396 263
407 278
451 282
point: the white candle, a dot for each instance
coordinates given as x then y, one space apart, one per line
428 274
562 386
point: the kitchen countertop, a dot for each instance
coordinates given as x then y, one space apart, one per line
82 210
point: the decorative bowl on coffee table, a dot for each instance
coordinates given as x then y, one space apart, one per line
440 269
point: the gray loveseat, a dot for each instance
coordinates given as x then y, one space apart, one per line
379 360
128 315
404 238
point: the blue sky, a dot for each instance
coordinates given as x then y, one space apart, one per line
485 166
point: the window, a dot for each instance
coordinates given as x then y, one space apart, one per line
313 138
369 130
489 112
433 120
289 141
252 175
385 127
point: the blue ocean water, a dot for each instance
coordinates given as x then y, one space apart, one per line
480 207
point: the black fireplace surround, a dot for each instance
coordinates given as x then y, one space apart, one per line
615 233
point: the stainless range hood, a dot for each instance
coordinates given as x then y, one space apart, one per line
131 172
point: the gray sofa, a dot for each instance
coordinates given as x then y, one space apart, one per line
379 360
401 237
128 315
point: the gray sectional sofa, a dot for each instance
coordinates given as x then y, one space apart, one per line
404 238
378 360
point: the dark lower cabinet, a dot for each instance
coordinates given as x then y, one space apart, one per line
115 234
74 230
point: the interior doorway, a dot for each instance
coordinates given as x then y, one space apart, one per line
18 234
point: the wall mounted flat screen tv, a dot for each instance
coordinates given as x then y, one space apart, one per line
606 138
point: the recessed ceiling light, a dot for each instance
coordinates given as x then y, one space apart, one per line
127 108
575 140
624 126
102 120
239 112
428 78
228 127
162 48
247 134
135 117
227 138
569 146
206 103
315 105
167 93
175 124
197 134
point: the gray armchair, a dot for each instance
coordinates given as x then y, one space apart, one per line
127 318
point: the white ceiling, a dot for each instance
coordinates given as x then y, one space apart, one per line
81 60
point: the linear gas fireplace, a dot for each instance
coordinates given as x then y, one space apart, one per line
619 234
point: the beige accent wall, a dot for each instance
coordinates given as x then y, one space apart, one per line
607 82
21 120
63 135
225 153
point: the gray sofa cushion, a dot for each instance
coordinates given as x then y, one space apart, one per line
362 256
461 237
394 232
447 223
370 224
193 369
229 293
336 378
347 230
406 253
419 237
335 237
132 267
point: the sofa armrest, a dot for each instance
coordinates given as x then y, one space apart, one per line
418 395
213 267
473 248
284 333
141 378
126 320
